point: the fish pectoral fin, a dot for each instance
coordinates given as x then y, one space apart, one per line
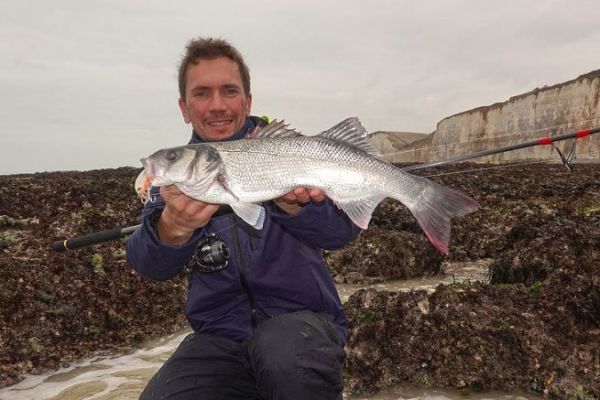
251 213
222 180
360 210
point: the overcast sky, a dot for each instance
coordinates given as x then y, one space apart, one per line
88 84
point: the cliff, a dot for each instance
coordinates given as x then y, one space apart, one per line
392 143
549 110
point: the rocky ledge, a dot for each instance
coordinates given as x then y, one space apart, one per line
534 327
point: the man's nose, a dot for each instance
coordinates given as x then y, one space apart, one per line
217 102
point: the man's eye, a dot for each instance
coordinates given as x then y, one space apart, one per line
231 92
201 93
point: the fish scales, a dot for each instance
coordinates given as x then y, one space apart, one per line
256 167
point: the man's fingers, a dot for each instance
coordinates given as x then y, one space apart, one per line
304 195
289 197
316 195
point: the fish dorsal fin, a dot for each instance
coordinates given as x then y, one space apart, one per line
351 132
276 129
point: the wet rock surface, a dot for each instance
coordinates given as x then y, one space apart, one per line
535 327
56 308
381 254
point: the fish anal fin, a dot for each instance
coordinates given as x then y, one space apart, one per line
360 210
351 133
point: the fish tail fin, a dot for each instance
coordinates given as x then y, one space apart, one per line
435 206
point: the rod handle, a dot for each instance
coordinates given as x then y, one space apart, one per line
92 238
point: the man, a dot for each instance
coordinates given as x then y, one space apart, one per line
270 324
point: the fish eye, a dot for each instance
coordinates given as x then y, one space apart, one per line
171 155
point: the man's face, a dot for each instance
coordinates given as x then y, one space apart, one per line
215 102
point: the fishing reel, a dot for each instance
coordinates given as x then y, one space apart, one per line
211 255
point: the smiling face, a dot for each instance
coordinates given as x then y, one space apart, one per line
215 102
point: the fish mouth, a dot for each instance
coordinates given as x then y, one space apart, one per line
145 181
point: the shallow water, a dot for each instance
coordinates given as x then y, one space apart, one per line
124 377
463 272
117 377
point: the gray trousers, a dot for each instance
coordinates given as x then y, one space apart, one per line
292 356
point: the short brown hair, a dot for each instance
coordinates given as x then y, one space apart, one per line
209 49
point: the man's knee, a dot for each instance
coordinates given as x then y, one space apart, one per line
206 367
297 352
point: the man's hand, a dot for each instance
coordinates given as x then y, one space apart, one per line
293 201
182 216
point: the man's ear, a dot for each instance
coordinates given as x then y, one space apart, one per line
184 111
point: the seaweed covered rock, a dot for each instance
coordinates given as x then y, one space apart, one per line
536 328
472 336
571 242
59 308
382 254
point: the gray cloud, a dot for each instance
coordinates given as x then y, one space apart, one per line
93 84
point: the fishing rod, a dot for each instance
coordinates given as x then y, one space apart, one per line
548 140
93 238
210 255
110 234
113 234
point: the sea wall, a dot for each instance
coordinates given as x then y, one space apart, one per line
552 110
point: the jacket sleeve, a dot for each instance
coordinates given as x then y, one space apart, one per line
148 256
320 225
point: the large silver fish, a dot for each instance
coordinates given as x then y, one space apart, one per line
275 159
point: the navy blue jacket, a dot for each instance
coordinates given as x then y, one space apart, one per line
275 270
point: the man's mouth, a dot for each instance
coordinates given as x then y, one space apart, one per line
219 123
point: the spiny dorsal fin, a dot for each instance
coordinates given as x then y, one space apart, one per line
276 129
351 132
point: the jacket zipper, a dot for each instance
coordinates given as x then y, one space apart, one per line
242 271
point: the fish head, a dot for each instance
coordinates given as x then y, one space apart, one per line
193 166
162 168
